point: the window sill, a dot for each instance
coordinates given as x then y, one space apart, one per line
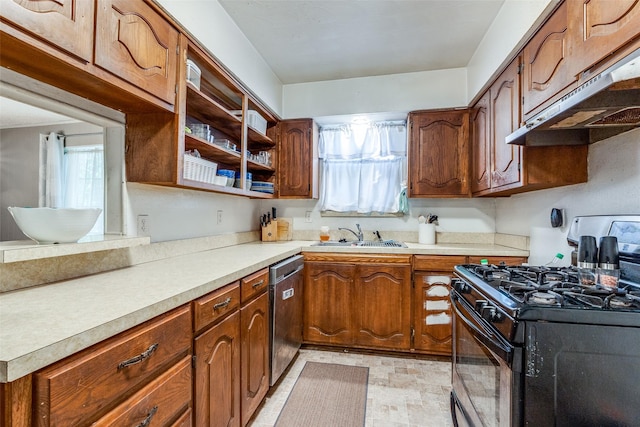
28 250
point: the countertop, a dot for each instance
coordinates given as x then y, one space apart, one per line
43 324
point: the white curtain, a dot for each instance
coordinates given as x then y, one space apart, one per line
52 195
84 173
363 167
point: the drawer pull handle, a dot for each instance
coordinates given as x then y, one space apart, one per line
222 304
259 283
150 415
139 358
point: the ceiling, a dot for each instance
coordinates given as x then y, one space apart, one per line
317 40
15 114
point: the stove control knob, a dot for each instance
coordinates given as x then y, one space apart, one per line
491 314
461 286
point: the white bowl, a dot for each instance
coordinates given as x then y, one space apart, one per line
52 225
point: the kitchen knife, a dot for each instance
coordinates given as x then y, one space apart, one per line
273 213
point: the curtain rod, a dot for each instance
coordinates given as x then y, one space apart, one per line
77 134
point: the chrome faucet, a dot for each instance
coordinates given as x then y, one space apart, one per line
359 234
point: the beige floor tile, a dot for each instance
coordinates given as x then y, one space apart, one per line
402 392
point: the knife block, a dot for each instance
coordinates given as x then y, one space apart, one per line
270 232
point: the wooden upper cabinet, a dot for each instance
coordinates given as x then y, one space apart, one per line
546 70
138 45
65 24
439 153
505 118
598 28
297 159
481 145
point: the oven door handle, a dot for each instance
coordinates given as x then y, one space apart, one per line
494 342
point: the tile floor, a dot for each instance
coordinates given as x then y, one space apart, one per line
402 392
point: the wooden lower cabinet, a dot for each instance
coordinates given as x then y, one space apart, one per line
360 301
161 402
217 374
432 308
328 290
432 319
254 355
87 386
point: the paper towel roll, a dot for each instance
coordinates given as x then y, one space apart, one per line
427 234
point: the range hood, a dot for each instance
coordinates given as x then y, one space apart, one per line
606 105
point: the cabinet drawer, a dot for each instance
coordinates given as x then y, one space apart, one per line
160 402
437 262
216 305
254 284
80 388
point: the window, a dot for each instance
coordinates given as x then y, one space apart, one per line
363 168
72 174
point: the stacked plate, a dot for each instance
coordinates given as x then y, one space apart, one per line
262 186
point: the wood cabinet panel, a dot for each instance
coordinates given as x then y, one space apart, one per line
136 44
110 370
439 153
217 374
214 306
598 28
481 145
158 403
546 70
254 284
254 355
328 292
297 159
65 24
437 262
383 306
505 112
433 320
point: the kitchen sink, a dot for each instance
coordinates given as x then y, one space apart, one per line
363 244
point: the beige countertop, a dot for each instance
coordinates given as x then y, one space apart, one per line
43 324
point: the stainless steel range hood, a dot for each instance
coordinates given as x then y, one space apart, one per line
605 105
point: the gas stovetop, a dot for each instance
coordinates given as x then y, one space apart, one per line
544 293
555 287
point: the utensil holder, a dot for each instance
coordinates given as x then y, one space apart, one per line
427 234
270 232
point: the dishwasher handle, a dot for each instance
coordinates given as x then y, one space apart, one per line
289 274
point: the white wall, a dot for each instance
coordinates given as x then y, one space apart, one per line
613 188
379 94
208 22
175 213
506 35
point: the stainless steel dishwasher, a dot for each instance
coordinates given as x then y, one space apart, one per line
285 291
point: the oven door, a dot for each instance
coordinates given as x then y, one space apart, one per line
483 384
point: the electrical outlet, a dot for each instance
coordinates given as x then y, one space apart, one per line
219 217
143 226
307 216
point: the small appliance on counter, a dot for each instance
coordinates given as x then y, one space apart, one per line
536 346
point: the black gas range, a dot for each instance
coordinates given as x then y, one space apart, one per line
534 345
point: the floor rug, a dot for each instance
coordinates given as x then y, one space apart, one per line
327 394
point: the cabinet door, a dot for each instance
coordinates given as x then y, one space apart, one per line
545 66
481 145
254 355
327 303
433 312
505 118
217 374
383 306
439 153
597 28
297 160
66 24
138 45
